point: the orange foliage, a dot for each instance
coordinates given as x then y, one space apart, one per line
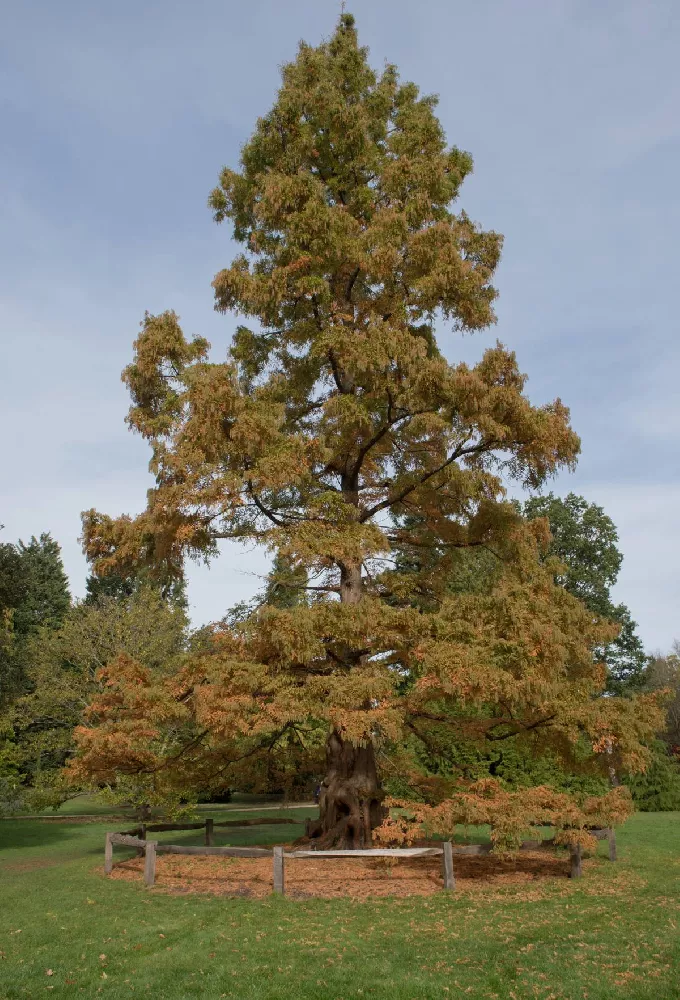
329 423
511 815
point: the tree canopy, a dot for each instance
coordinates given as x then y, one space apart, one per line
334 418
585 539
47 598
63 668
33 594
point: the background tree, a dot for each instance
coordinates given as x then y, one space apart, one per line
287 584
34 595
658 789
13 589
47 598
335 416
63 674
663 672
585 540
120 587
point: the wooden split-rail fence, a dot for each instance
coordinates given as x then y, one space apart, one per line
151 848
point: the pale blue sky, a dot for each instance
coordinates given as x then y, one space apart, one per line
115 120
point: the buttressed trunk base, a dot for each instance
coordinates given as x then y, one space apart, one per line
350 803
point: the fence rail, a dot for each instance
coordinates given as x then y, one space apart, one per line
126 840
150 848
377 852
225 852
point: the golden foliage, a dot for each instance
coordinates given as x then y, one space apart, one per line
512 815
334 419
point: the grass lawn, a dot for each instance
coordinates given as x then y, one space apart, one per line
92 805
65 930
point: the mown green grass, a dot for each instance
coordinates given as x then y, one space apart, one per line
613 934
92 805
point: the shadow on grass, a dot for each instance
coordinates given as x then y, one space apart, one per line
21 834
26 837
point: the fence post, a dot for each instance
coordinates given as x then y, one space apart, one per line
278 870
108 854
150 862
611 837
575 862
209 832
447 860
142 836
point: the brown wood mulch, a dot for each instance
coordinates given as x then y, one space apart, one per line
332 878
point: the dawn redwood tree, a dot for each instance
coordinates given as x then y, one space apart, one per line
335 417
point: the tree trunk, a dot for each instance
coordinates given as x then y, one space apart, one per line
350 583
350 803
613 776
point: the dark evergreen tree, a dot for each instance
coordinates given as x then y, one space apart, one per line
33 593
99 587
121 587
13 582
658 788
47 598
13 587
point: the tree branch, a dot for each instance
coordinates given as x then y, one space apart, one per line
391 501
264 510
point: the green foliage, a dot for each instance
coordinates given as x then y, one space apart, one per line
286 584
663 673
11 666
13 593
658 789
34 594
34 598
13 577
62 672
114 585
585 539
467 570
47 597
516 763
120 587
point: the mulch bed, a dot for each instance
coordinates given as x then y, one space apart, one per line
358 878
